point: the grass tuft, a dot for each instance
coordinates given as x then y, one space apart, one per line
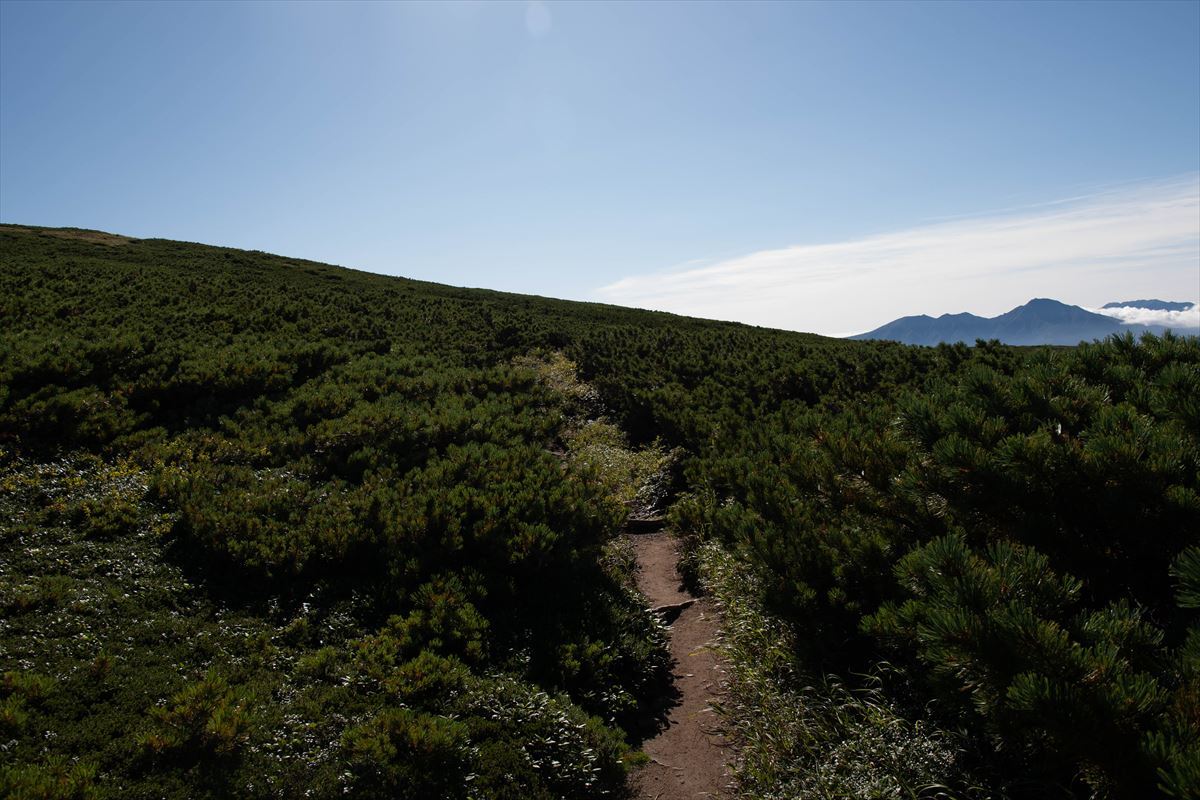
815 738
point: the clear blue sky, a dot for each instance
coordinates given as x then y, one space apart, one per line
561 148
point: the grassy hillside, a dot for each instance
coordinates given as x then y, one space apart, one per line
274 528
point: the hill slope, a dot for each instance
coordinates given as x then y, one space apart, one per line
288 517
271 528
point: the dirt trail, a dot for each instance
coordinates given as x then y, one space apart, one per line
687 757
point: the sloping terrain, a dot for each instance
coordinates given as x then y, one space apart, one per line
270 527
271 523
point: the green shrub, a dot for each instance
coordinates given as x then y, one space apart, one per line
402 754
1005 632
105 518
52 779
205 720
531 744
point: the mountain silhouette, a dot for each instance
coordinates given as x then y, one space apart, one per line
1040 321
1153 305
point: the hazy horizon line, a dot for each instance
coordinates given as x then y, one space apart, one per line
1139 239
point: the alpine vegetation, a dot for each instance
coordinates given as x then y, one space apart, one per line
274 529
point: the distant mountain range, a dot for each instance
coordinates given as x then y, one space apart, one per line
1153 305
1040 321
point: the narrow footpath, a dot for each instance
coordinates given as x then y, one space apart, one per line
688 756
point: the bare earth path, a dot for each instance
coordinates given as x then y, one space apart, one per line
688 756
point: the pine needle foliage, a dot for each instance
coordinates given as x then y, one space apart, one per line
272 528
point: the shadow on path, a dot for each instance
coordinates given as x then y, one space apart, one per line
688 755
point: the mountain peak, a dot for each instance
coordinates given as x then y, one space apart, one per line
1042 320
1045 308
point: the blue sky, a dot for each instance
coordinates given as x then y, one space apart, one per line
813 166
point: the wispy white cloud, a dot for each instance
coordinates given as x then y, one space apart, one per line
1142 239
1131 315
